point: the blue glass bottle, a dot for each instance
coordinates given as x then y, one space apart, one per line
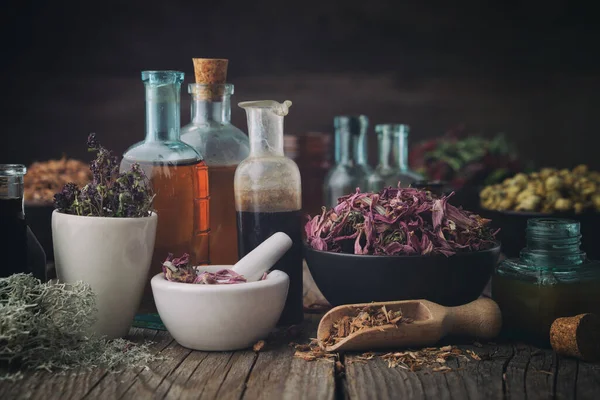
552 278
351 169
393 158
178 176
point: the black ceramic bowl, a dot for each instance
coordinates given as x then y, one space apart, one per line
39 219
449 281
512 225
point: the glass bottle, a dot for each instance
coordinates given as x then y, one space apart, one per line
552 278
178 176
393 158
268 197
351 169
223 147
21 252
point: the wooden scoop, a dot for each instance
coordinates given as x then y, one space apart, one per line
431 322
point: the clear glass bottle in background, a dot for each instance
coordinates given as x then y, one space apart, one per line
552 278
311 152
392 167
351 169
223 147
268 197
21 252
178 175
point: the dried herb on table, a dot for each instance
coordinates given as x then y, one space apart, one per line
429 357
312 351
45 325
367 317
110 194
398 221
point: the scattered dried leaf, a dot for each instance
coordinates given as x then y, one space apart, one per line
258 346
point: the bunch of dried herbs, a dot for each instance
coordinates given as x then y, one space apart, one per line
110 193
180 270
45 325
398 221
367 317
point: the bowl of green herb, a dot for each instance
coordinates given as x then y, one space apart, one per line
400 244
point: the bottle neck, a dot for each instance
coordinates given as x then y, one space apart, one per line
11 191
401 151
207 111
265 131
552 243
343 147
162 111
359 148
386 153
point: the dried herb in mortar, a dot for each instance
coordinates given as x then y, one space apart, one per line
398 221
179 270
45 325
110 194
367 317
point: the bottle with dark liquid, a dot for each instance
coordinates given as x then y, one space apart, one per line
19 248
223 147
178 176
268 197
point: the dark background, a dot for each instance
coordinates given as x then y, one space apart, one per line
529 69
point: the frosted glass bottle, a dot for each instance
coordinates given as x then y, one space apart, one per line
223 147
268 197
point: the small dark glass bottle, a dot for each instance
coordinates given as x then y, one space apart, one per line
20 250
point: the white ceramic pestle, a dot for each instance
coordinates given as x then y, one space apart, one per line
254 264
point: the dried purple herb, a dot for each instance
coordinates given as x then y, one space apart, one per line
398 221
179 270
110 193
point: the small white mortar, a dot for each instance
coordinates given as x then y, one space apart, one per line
221 317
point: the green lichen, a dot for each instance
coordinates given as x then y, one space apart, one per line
45 326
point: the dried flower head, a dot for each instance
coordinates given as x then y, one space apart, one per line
110 194
398 221
179 270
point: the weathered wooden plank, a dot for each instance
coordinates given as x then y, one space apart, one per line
374 379
145 384
566 378
277 374
516 372
114 386
68 385
485 379
468 379
588 381
220 375
541 374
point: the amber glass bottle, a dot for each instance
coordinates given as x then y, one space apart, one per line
178 175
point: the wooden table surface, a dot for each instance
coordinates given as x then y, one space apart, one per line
512 371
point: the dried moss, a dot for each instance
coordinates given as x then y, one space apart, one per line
45 326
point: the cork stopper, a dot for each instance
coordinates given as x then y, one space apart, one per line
577 336
213 73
